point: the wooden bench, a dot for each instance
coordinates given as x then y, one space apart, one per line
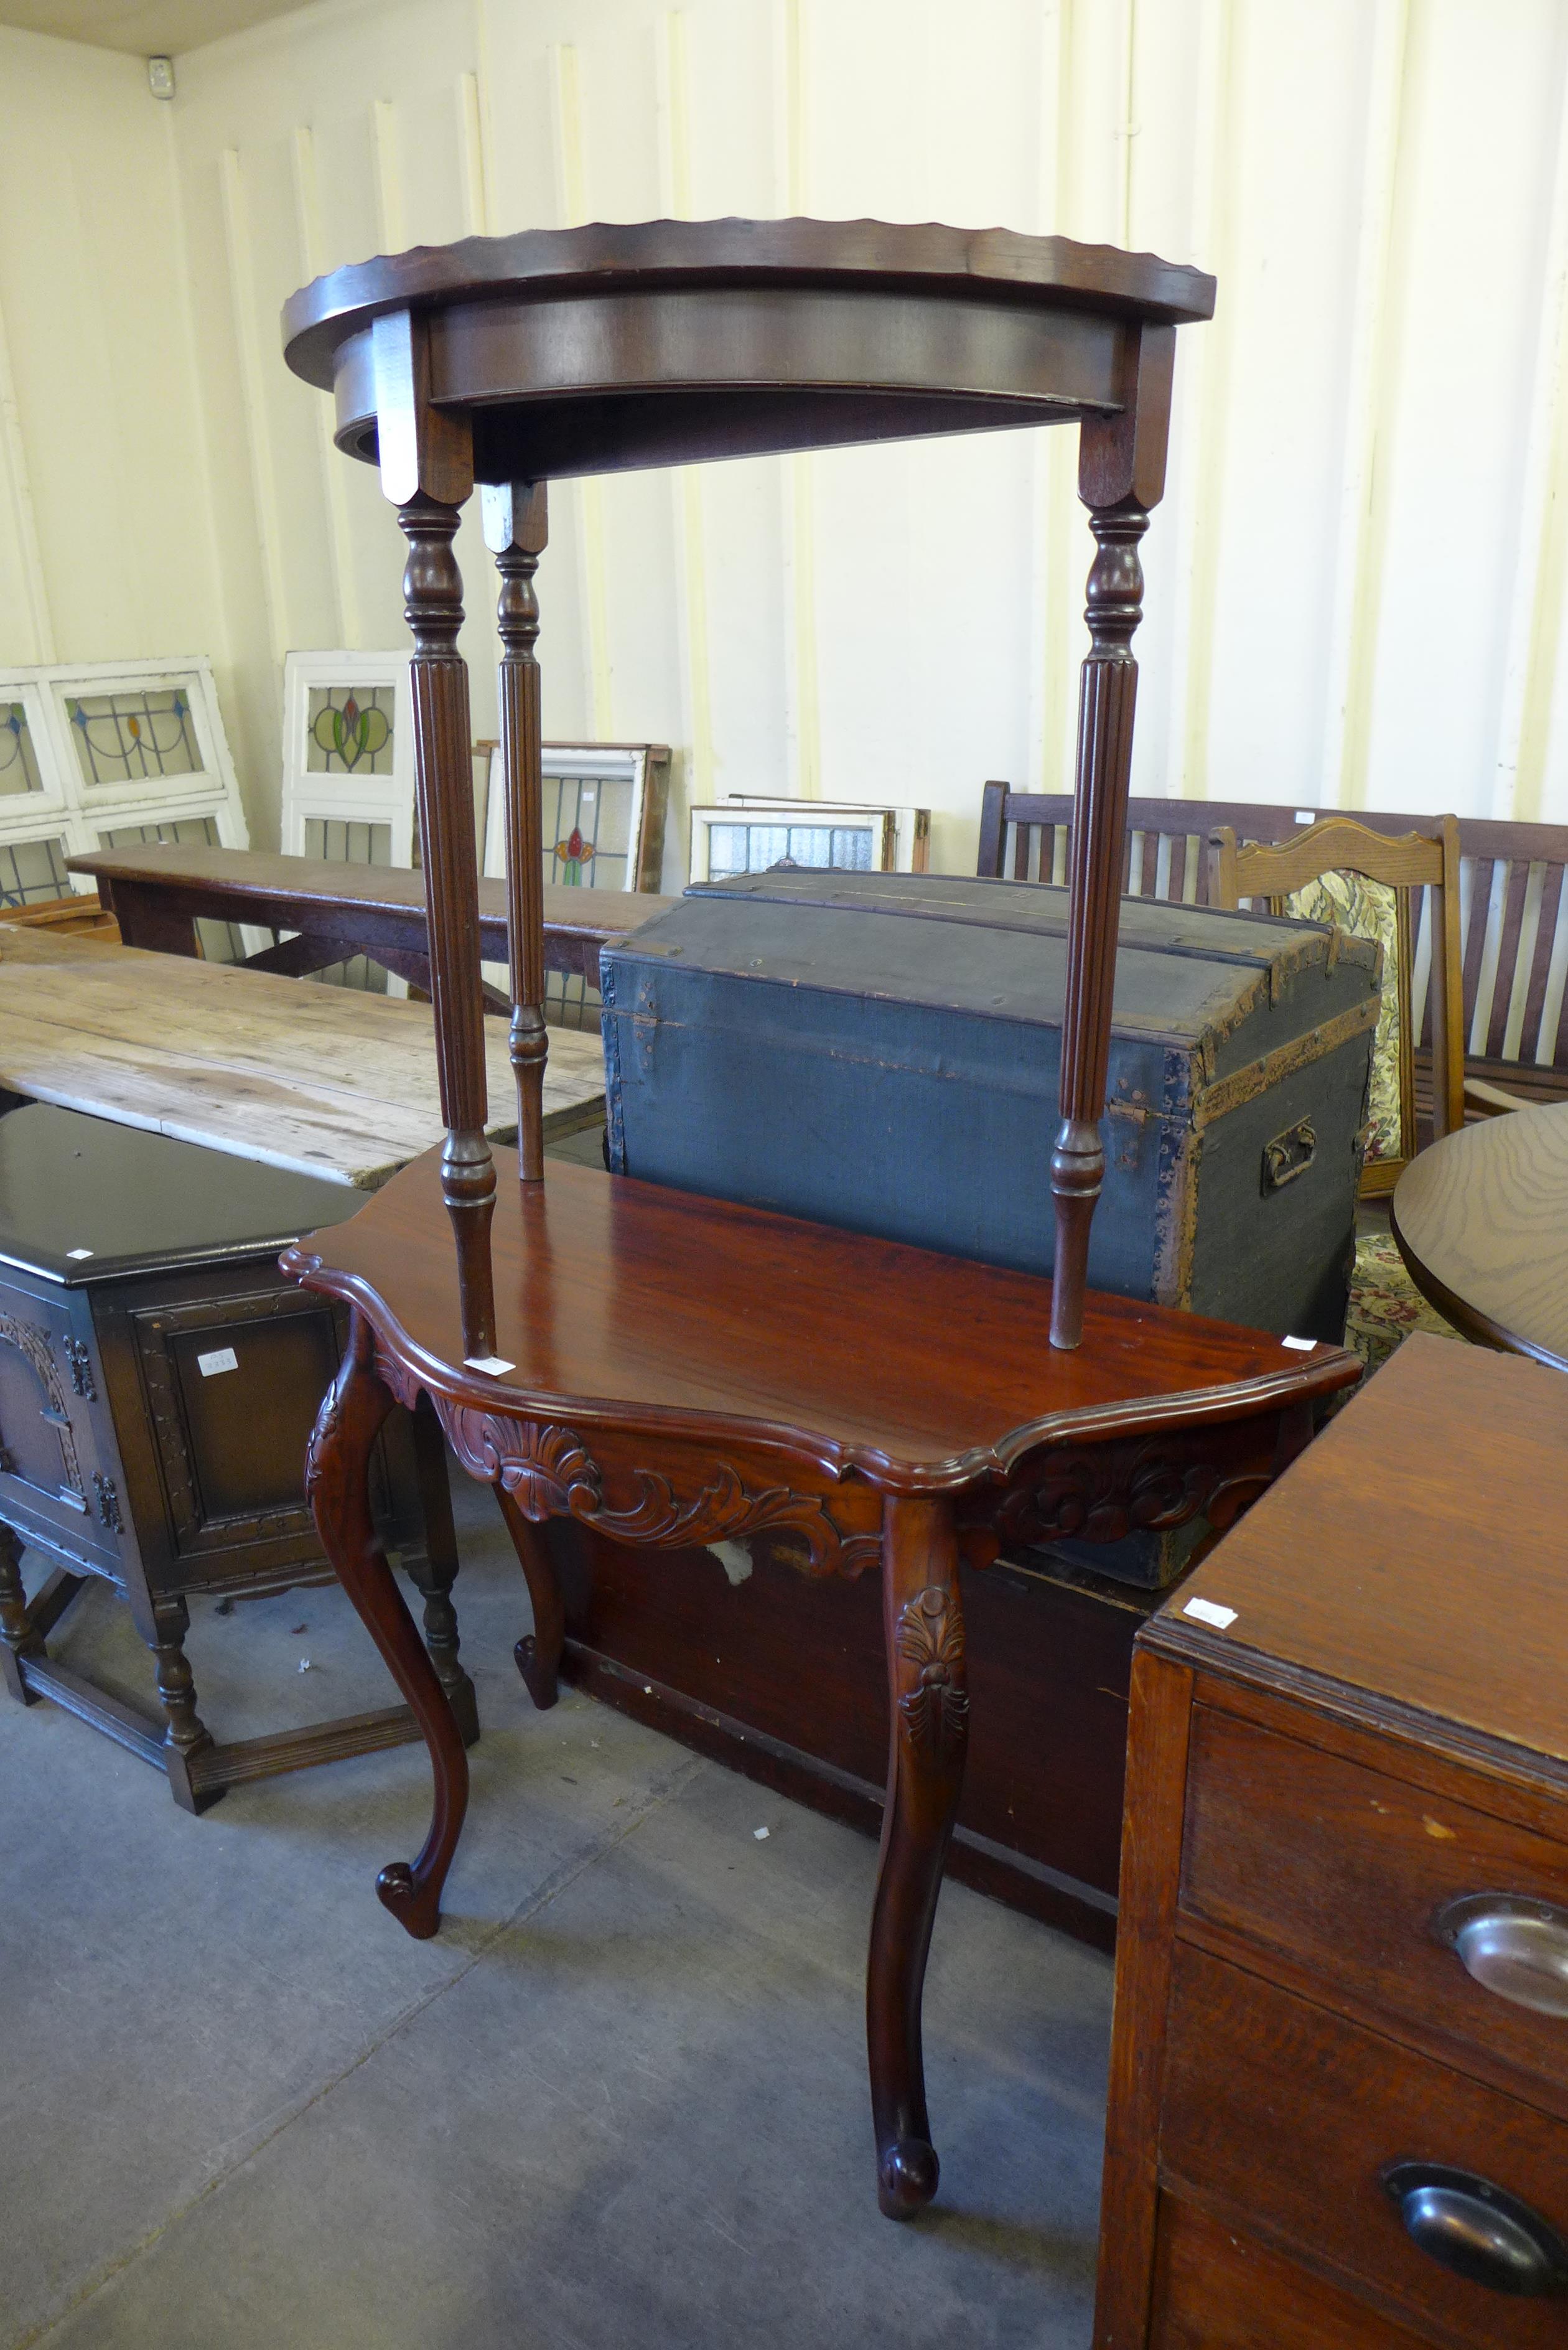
159 893
1514 911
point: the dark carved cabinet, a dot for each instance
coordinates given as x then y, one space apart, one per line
158 1379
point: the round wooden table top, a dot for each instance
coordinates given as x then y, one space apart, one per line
1481 1219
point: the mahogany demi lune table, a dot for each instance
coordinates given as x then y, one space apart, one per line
673 1370
1481 1219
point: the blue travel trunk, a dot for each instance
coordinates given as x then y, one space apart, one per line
881 1051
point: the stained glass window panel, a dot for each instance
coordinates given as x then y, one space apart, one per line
817 847
348 731
32 871
18 760
587 831
130 737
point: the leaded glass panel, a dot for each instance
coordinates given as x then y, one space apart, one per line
587 831
349 731
32 871
185 831
760 847
130 737
342 843
18 760
350 844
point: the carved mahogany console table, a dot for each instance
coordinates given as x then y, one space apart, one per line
670 1370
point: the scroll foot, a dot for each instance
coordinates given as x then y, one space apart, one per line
337 1481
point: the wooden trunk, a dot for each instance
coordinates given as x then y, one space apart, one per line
883 1051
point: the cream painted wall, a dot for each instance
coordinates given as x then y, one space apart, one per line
1355 583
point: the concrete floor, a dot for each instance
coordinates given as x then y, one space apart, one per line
619 2101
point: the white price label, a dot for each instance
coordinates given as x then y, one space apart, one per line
1209 1611
222 1358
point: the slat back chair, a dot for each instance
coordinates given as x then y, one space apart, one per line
1512 913
1024 837
1405 863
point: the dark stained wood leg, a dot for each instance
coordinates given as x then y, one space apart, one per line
436 1573
515 527
187 1736
18 1638
337 1481
1107 693
432 593
538 1652
927 1694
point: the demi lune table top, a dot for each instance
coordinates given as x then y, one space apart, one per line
1481 1218
630 1303
592 349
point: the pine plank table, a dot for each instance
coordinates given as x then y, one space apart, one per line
323 1081
159 893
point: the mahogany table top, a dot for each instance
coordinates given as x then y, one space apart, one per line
625 1303
1417 1551
1481 1219
588 350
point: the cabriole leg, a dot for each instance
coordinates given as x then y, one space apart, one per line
923 1620
337 1481
538 1653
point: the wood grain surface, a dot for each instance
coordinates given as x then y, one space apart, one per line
1481 1219
1372 1562
325 1081
628 1305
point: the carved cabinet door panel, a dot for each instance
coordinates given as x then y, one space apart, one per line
56 1482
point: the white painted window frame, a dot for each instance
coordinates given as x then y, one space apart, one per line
347 799
68 808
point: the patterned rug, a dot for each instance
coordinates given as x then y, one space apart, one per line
1384 1304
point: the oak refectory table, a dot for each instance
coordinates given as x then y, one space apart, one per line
668 1370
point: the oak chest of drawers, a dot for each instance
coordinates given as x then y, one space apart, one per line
1339 2081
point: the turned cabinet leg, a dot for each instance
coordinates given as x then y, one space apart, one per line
17 1637
337 1481
435 1576
923 1620
187 1736
538 1652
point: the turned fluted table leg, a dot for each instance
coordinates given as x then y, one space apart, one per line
922 1620
515 529
337 1481
1121 474
538 1652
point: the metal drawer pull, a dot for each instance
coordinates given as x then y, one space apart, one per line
1512 1947
1476 2230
